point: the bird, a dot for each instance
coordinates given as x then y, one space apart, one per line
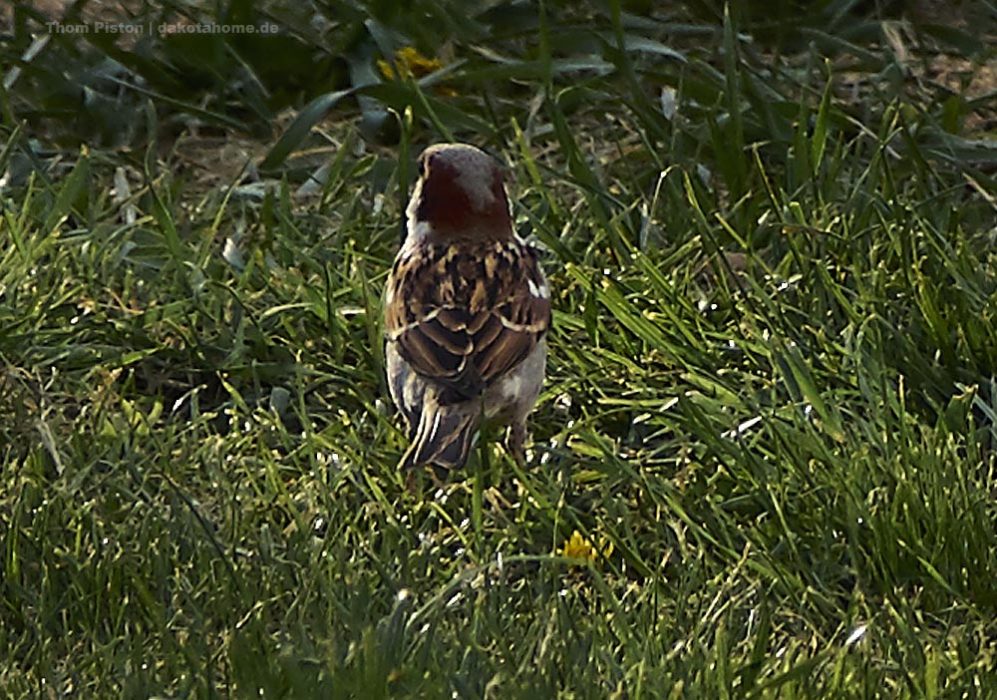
467 310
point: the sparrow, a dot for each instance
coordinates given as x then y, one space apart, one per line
466 312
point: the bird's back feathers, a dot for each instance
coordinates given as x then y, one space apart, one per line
484 314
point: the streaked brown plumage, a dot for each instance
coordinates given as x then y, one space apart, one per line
467 310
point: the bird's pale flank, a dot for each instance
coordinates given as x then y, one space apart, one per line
467 309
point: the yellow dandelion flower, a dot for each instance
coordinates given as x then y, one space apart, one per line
412 64
577 547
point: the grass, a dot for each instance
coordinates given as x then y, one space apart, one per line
771 409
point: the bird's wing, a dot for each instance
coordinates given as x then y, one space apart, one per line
465 315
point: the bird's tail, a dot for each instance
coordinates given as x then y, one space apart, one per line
443 437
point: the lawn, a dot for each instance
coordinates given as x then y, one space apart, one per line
764 463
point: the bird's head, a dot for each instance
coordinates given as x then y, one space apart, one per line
460 194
